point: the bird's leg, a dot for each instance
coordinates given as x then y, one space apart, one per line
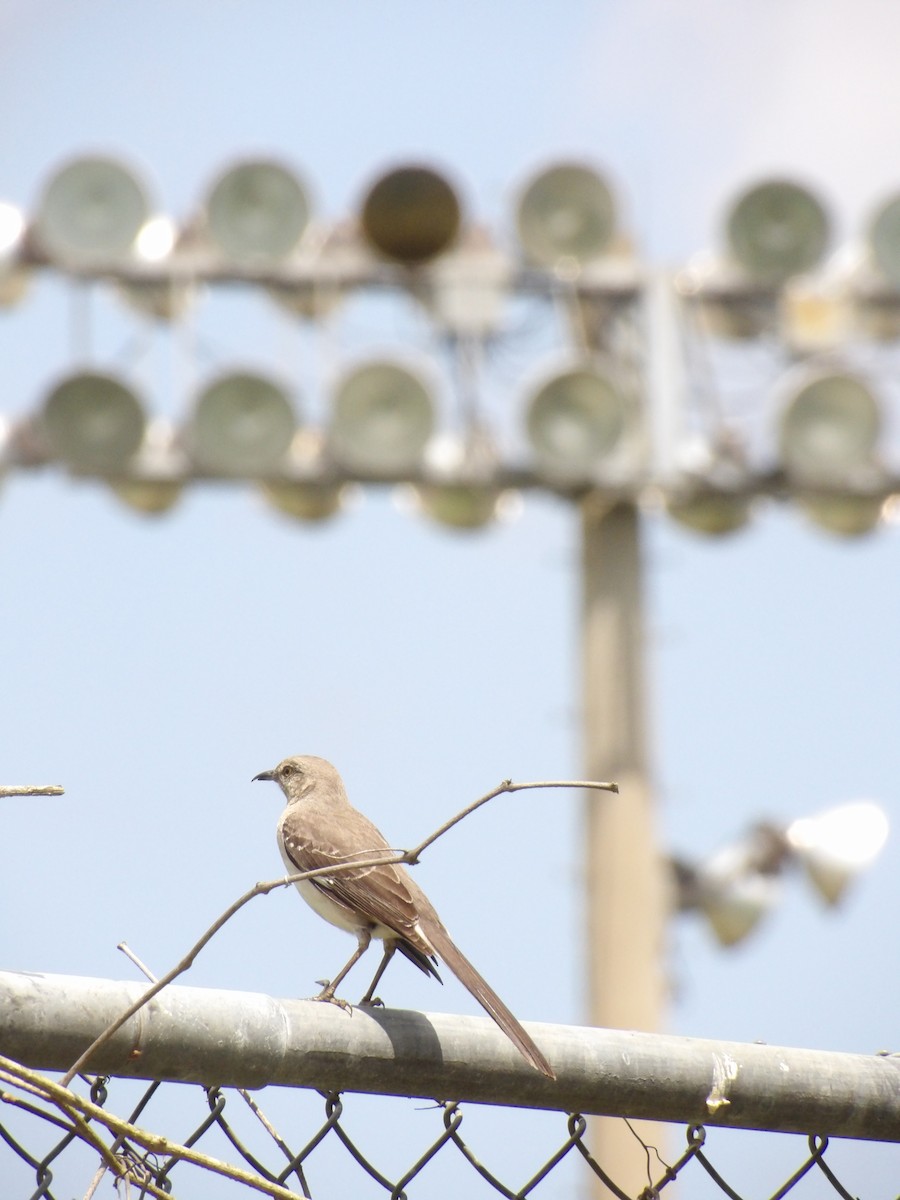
330 986
369 998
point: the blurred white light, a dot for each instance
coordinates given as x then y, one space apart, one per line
837 845
734 906
777 229
830 424
93 208
566 214
12 228
382 417
13 275
156 239
242 424
411 215
257 212
165 299
577 421
93 423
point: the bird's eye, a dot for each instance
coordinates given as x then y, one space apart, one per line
287 769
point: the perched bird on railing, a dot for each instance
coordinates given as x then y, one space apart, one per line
321 828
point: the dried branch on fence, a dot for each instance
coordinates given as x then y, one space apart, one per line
410 857
31 789
242 1092
76 1106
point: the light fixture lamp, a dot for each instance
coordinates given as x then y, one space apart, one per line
709 510
242 424
777 229
156 474
13 273
256 213
712 492
305 501
883 240
382 417
93 423
829 426
837 845
579 422
736 886
91 210
874 277
565 215
410 215
461 490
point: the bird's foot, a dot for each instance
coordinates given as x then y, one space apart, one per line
327 995
371 1002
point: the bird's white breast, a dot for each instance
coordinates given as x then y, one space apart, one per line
316 898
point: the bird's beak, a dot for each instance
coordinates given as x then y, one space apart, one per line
263 775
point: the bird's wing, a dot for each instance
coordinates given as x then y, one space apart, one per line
384 894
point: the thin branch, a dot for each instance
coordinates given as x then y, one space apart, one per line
155 1143
383 858
259 889
24 1080
242 1092
31 789
412 856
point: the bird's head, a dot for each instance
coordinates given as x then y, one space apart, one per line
302 774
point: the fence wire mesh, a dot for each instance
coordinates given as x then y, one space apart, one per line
324 1145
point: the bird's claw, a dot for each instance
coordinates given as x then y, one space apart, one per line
327 996
371 1002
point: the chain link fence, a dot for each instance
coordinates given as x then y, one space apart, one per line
323 1145
279 1124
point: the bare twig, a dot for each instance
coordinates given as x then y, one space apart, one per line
72 1103
412 856
382 858
33 1085
259 889
31 789
242 1092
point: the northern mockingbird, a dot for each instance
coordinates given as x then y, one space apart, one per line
320 828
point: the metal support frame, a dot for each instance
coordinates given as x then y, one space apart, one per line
246 1039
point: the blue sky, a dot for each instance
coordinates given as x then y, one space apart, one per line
153 667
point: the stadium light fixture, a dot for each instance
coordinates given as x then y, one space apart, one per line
382 417
566 215
577 422
410 215
883 240
91 210
242 424
256 212
776 229
829 425
739 884
93 423
837 845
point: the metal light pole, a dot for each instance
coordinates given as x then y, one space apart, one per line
625 882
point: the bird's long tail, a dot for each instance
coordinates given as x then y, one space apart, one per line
487 998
